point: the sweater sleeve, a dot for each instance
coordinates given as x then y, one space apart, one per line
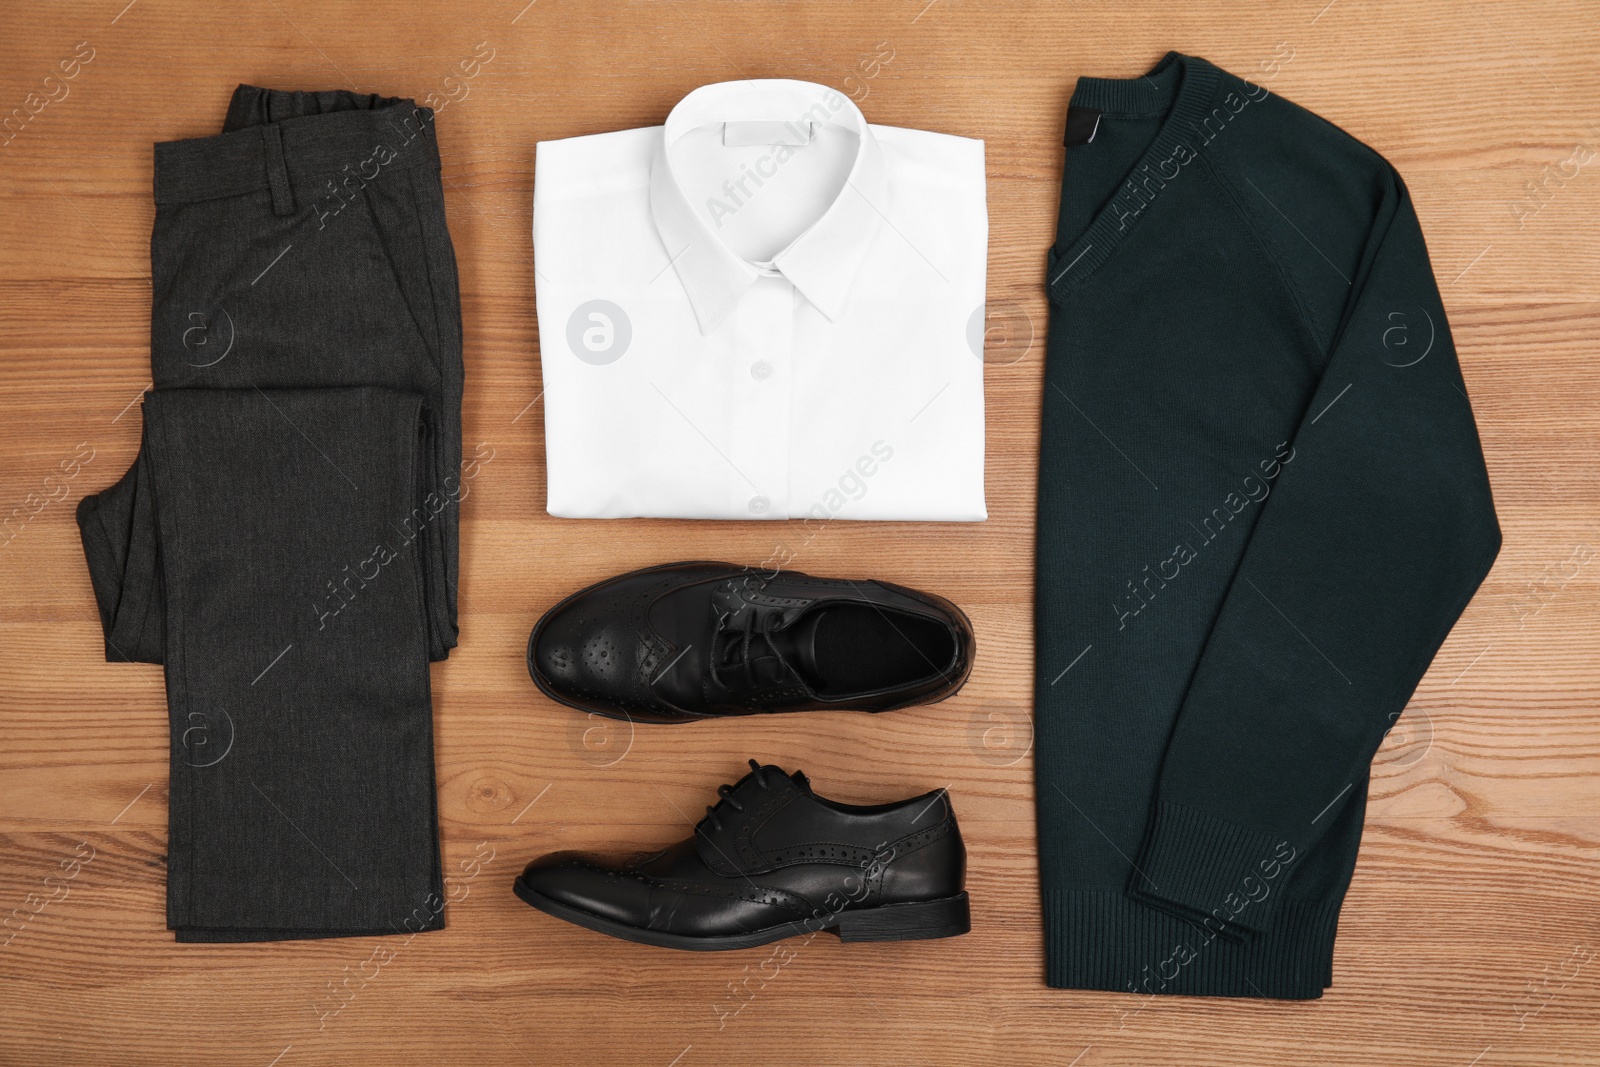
1379 529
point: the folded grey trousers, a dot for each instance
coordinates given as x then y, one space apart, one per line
285 543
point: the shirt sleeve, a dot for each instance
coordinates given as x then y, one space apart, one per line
1377 533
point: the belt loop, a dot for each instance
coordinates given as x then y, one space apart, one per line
277 172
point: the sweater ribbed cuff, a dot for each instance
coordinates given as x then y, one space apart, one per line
1225 877
1099 939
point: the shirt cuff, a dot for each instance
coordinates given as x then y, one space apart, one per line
1218 874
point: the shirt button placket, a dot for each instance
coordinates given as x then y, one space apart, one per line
765 385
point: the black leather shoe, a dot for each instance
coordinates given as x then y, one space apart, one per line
693 640
772 860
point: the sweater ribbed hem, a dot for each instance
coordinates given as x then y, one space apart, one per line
1211 871
1102 939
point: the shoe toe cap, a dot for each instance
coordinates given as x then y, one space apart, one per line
587 882
579 654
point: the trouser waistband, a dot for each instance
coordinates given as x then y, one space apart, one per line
302 148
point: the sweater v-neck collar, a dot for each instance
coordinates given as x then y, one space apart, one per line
1180 87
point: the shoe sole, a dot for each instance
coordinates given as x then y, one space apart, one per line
911 921
666 720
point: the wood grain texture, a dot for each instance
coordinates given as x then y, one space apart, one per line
1472 932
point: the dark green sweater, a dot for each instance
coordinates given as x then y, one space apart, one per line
1262 506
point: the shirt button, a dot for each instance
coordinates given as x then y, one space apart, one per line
760 370
758 505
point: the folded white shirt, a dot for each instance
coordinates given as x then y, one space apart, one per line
764 309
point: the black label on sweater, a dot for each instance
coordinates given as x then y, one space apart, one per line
1082 124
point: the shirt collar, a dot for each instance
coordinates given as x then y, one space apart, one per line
824 260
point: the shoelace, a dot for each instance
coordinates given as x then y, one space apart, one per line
745 634
725 791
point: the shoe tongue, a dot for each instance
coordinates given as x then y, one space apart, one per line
798 643
722 844
775 775
795 642
806 654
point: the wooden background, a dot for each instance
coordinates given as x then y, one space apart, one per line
1472 933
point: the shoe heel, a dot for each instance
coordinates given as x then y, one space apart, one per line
913 921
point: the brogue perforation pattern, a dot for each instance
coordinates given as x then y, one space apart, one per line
856 855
